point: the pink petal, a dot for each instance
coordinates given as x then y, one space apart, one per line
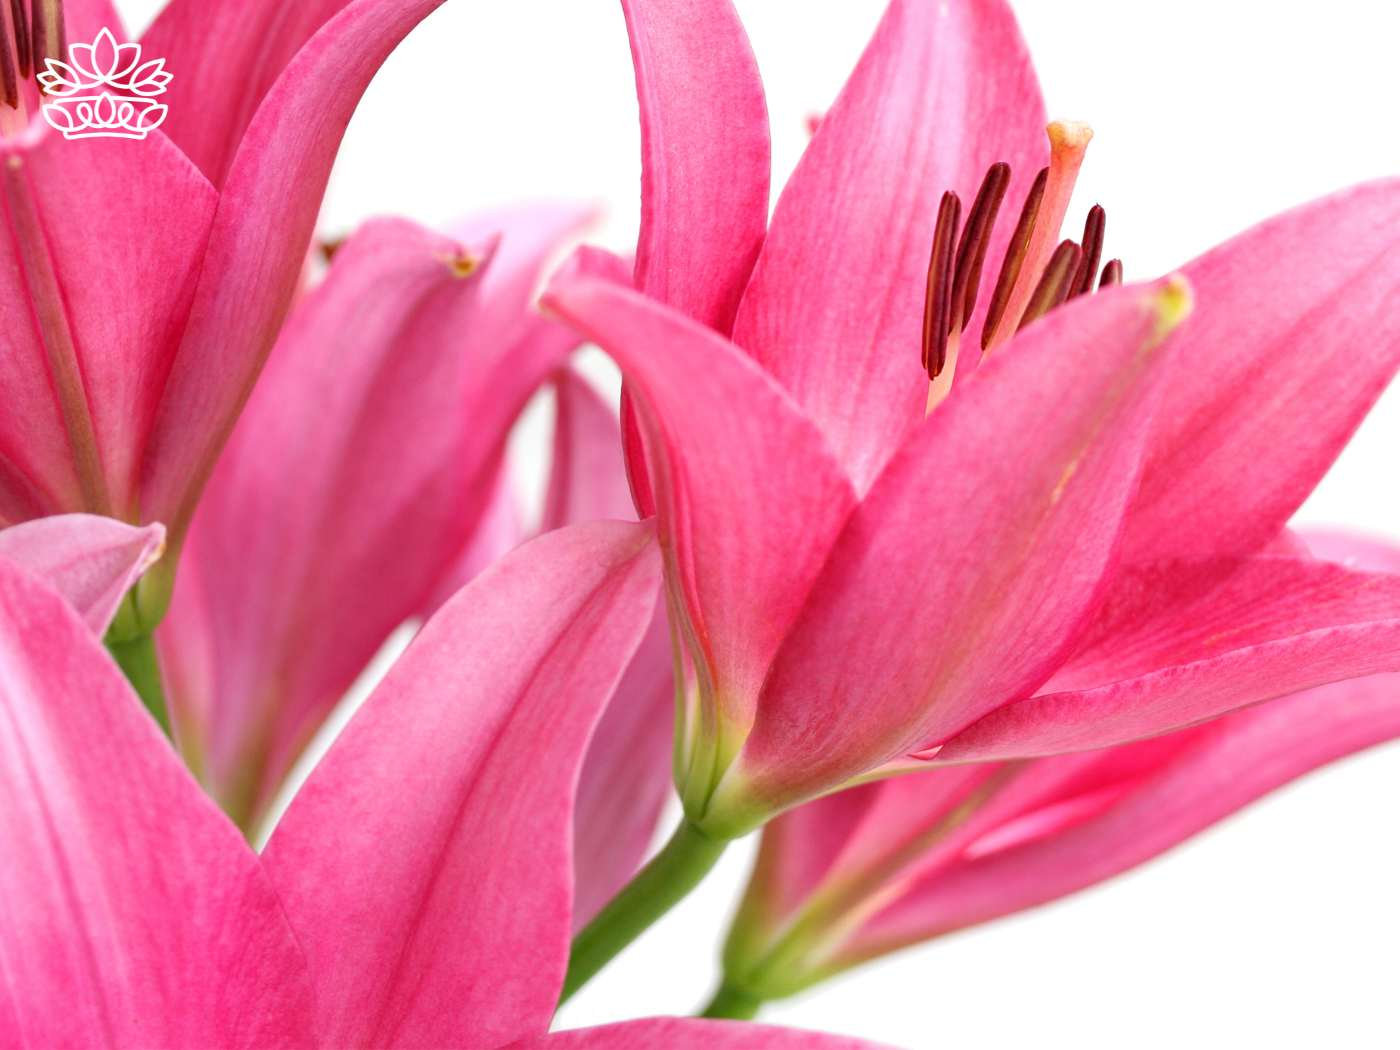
261 230
685 1033
952 591
125 295
587 480
1229 764
84 19
225 56
1352 549
499 530
136 915
626 775
425 864
749 497
1295 337
342 484
705 155
91 561
835 309
1177 644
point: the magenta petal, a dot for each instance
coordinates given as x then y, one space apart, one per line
1352 549
626 775
705 155
1175 646
84 19
425 864
835 309
1278 365
685 1033
342 483
258 243
225 55
749 497
1225 765
136 915
91 561
125 295
952 591
587 480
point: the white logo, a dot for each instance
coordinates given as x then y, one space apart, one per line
104 90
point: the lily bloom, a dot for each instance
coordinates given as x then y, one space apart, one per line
865 872
365 478
362 469
886 546
145 281
142 917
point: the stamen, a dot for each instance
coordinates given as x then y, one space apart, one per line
938 299
46 31
1112 274
976 239
1054 286
1093 252
21 28
1068 142
12 40
1015 258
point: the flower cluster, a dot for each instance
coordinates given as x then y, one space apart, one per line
918 539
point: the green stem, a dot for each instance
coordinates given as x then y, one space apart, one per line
137 659
657 888
734 1004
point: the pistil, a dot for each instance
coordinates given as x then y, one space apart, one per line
1068 142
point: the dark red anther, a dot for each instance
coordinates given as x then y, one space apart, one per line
1055 282
1015 257
976 239
9 80
1093 252
21 24
1112 274
938 297
46 31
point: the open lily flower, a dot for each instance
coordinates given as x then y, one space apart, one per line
368 922
146 281
883 548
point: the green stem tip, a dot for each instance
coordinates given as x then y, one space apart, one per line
137 659
667 878
733 1004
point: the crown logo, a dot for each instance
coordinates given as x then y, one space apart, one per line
104 90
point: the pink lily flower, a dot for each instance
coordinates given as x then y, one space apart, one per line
879 554
147 280
143 917
364 469
865 872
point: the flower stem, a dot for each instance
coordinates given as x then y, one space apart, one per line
685 859
137 659
733 1003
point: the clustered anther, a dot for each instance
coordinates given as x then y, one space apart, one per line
954 275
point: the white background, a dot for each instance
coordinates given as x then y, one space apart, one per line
1277 929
